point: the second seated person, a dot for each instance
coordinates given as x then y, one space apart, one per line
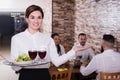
107 61
32 38
59 46
83 55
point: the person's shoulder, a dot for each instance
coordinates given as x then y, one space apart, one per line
46 36
98 55
97 58
76 43
18 35
117 53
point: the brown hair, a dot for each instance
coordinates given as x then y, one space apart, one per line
81 34
32 8
54 34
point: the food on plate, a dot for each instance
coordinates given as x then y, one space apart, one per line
85 61
23 57
62 69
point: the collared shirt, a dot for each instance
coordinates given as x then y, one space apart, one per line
108 61
85 54
24 41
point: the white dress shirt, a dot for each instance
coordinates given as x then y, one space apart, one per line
24 41
86 54
108 61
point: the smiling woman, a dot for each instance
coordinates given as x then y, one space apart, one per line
21 43
14 9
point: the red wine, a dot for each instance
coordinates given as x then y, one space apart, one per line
80 57
42 54
32 54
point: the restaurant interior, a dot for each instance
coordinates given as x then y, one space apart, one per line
66 17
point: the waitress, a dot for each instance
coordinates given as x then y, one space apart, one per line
32 38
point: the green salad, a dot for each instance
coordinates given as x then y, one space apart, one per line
23 57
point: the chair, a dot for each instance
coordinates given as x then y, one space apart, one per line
109 76
61 75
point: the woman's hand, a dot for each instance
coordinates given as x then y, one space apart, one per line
80 48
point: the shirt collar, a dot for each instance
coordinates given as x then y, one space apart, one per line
108 51
84 45
29 34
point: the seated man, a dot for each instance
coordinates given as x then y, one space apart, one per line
85 54
108 61
60 48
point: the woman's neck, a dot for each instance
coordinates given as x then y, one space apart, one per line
32 31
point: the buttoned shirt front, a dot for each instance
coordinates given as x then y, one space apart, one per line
108 61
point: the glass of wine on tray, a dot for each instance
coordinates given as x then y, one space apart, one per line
42 53
32 54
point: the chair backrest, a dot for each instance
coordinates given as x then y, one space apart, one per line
61 75
109 76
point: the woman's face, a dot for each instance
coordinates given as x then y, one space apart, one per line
34 20
56 40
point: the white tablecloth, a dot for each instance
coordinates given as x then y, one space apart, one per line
6 72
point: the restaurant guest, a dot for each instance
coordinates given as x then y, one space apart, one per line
33 39
107 61
84 54
59 46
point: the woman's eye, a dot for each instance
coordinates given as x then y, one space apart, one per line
40 17
32 17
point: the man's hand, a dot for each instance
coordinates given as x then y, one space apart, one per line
84 65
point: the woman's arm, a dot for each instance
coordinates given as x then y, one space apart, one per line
58 60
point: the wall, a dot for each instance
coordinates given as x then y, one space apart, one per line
96 19
21 5
63 21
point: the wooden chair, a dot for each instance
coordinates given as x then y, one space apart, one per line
61 75
109 76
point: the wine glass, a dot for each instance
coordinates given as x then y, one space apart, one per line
32 54
77 62
42 53
80 57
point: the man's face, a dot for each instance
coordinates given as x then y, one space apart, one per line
82 39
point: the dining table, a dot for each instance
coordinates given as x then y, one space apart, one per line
76 74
